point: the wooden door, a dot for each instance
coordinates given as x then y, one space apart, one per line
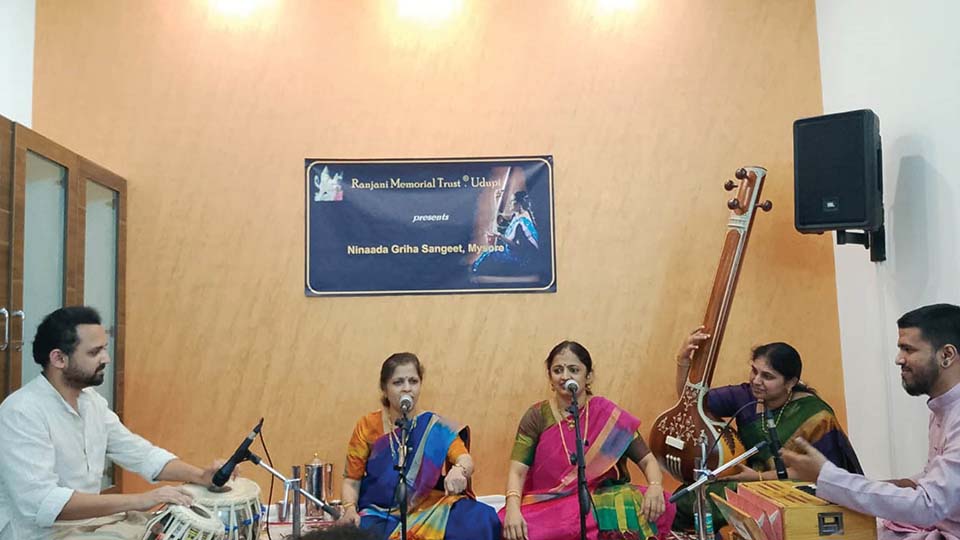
6 226
45 256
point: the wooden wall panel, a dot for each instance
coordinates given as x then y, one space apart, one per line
646 112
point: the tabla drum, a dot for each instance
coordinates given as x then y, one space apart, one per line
238 508
184 523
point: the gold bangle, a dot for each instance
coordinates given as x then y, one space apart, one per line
654 483
760 474
513 493
347 505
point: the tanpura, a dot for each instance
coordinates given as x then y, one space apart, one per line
680 433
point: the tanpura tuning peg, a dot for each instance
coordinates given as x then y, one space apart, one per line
733 204
766 206
741 174
729 185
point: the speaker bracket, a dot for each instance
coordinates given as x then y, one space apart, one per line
875 241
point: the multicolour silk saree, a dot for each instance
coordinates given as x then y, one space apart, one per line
432 515
809 417
549 503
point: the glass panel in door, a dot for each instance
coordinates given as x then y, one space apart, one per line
100 280
44 249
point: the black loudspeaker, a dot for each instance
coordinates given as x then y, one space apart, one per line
838 173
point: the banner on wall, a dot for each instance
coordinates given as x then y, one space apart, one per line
429 226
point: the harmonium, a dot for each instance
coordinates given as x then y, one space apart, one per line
784 510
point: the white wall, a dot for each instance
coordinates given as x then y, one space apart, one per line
16 59
900 59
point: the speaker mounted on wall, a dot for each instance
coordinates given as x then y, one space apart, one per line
838 178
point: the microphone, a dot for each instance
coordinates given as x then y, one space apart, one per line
774 443
223 473
406 403
572 386
719 470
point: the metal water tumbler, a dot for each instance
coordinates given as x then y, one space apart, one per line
318 481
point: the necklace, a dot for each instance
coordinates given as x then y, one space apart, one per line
569 421
394 444
395 433
783 408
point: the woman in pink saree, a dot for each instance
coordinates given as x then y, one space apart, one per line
541 498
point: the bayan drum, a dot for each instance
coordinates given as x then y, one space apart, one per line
238 507
184 523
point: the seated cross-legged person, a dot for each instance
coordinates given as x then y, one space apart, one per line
541 499
56 433
796 409
439 506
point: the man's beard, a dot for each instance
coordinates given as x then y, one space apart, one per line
78 379
923 378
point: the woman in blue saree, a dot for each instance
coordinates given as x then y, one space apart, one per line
439 506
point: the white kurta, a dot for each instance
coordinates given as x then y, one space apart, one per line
48 450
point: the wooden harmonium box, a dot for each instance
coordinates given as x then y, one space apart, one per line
780 510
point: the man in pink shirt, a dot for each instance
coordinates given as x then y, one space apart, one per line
927 505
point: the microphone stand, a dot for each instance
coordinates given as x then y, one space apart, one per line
774 438
704 518
295 523
401 467
707 476
583 495
292 484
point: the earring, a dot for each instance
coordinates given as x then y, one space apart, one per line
945 364
589 390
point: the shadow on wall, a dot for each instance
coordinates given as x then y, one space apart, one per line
923 247
922 236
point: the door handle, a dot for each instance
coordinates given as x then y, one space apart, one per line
18 345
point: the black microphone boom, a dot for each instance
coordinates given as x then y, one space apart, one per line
223 473
775 444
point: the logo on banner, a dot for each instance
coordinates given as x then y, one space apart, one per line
328 187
